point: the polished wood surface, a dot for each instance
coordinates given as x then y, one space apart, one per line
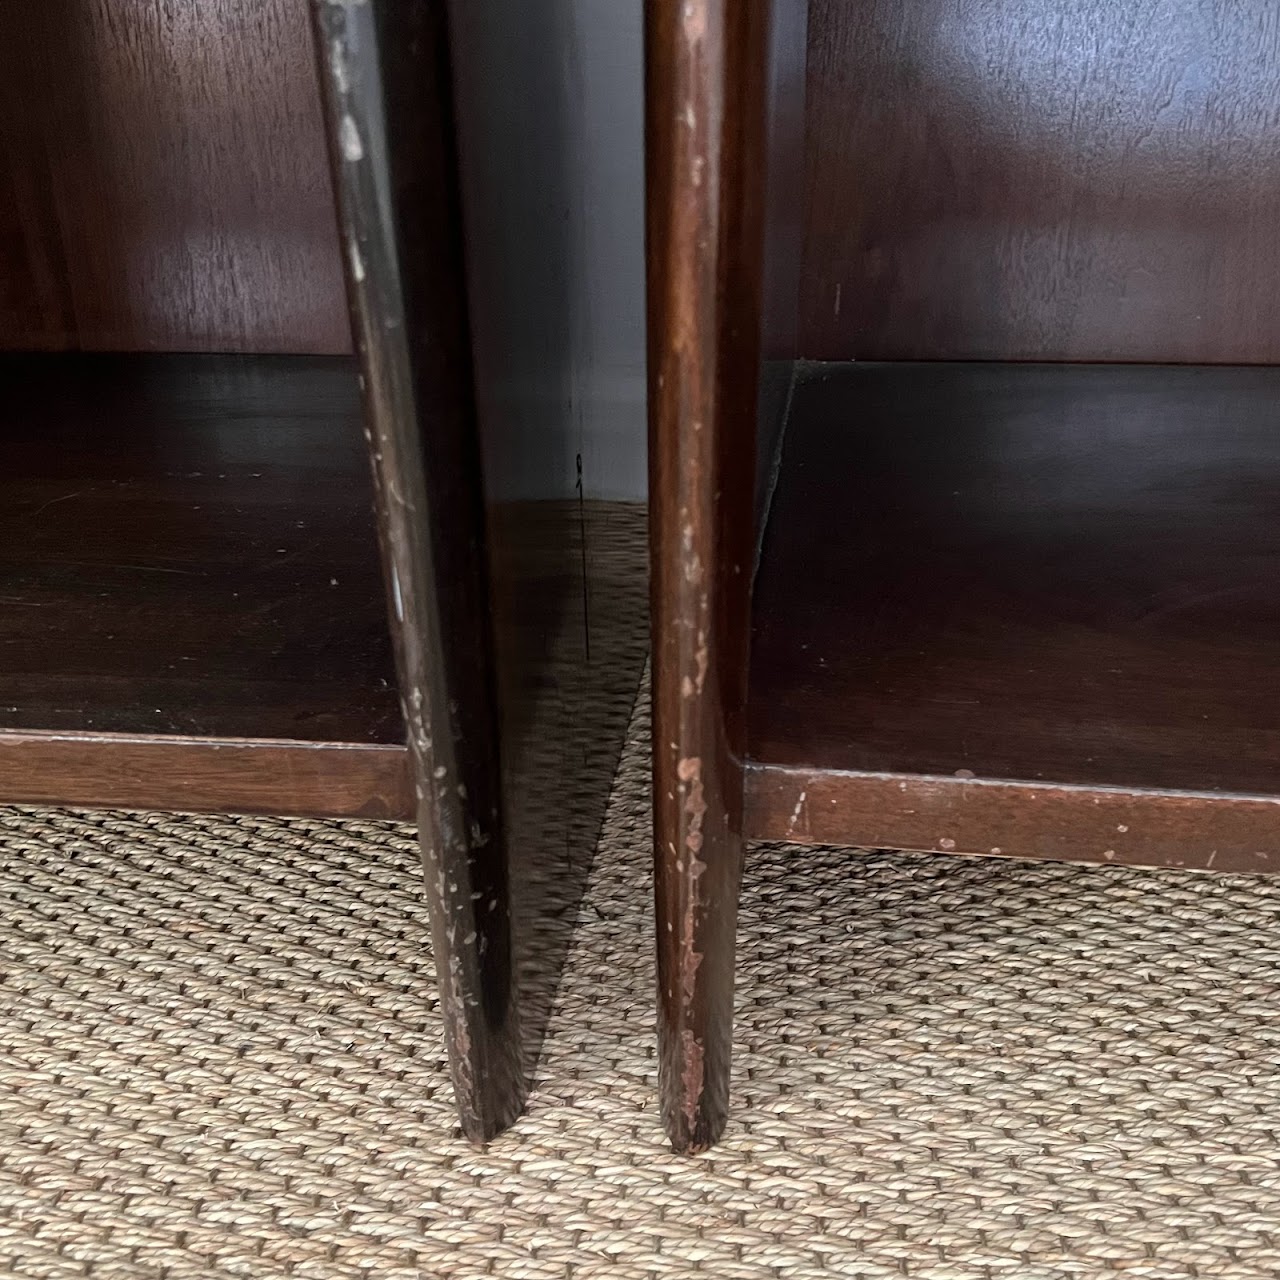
706 117
1137 828
207 775
399 207
165 181
783 165
1044 573
187 547
1053 180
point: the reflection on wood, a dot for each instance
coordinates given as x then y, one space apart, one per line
165 182
1042 180
567 681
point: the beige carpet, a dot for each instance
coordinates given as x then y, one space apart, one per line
219 1057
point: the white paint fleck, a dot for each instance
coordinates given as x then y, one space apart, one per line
797 811
946 843
338 67
1122 828
349 140
396 598
996 849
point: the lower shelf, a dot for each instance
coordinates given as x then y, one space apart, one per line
193 611
1065 577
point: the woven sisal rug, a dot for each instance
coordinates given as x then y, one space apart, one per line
219 1056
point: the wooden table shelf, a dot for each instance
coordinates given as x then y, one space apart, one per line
1065 573
188 557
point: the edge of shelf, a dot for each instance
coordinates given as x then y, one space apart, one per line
1061 822
206 775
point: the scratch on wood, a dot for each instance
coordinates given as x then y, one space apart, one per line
349 141
396 597
796 812
694 21
689 771
692 1074
357 262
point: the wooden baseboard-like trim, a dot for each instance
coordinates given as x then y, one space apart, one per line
1014 819
117 771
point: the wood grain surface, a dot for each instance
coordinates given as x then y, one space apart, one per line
1063 574
783 164
207 775
1043 180
187 547
164 178
385 64
706 119
951 815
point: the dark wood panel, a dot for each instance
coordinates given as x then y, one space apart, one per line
519 626
399 202
207 775
783 162
187 546
164 177
1014 819
706 67
1063 574
1053 180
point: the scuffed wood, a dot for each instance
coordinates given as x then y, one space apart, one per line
207 775
386 71
704 143
970 815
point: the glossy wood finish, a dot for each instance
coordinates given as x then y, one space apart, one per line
187 548
1053 180
384 63
1059 574
165 179
783 164
706 67
1015 609
1128 827
207 775
519 624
